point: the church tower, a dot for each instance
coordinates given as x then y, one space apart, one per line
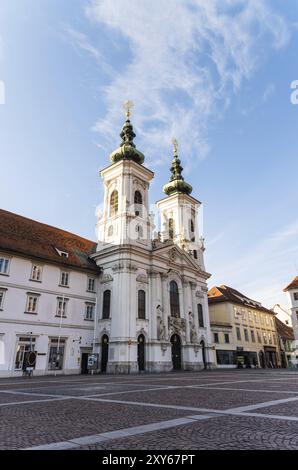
179 213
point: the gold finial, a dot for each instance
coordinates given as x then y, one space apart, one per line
128 105
175 144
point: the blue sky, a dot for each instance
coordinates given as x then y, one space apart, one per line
215 74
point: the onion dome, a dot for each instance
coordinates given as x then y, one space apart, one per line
127 149
177 183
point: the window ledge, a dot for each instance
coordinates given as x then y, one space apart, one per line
4 274
59 316
91 291
31 313
61 285
35 280
89 319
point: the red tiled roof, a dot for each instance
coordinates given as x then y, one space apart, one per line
30 238
285 331
228 294
292 285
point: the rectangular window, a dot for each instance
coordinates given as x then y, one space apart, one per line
265 337
225 357
91 284
56 354
200 316
89 311
249 316
36 273
246 334
216 337
259 337
295 295
243 315
238 333
2 294
61 307
4 265
267 320
31 306
256 318
25 344
262 319
274 339
227 338
269 338
253 338
64 279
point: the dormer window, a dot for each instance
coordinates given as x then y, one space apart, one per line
63 254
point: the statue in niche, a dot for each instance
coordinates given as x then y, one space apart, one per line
161 328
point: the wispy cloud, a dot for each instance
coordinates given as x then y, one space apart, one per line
269 91
186 60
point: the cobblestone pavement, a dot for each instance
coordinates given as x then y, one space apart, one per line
226 409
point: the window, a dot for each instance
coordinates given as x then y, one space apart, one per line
243 315
269 338
249 316
56 354
2 294
25 344
61 307
246 334
91 284
36 273
4 265
174 299
271 321
226 357
274 338
200 316
195 254
31 305
138 201
139 230
227 338
295 295
262 319
171 228
89 311
267 320
216 337
192 225
265 337
256 318
253 338
141 304
110 231
114 203
259 337
106 304
238 333
64 279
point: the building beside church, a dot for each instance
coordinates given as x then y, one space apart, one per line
243 330
292 294
137 298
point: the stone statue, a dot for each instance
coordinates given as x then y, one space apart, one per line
161 329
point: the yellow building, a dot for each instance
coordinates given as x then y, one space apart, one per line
244 332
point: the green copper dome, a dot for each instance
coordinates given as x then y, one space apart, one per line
177 183
127 149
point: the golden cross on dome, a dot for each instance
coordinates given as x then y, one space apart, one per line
128 105
175 144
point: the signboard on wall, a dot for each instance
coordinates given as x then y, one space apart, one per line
92 361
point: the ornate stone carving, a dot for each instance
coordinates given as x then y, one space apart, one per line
118 267
131 267
192 328
177 325
173 254
161 328
142 278
199 294
106 278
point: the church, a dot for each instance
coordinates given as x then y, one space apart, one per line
135 300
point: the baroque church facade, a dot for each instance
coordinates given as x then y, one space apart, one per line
153 289
134 300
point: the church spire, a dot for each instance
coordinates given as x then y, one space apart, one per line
177 183
127 149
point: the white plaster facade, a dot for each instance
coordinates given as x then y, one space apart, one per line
43 326
292 295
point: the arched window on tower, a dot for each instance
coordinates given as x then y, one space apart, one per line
114 203
174 299
191 230
142 304
138 201
139 230
171 228
106 304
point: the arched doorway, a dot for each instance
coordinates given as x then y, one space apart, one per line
141 352
104 353
203 346
176 352
262 359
